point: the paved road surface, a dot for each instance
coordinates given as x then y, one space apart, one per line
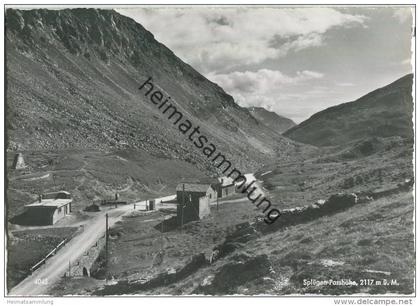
45 277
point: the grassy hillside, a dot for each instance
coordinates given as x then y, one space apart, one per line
384 112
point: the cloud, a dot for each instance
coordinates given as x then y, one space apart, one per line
273 57
407 61
403 14
345 84
261 81
215 39
272 89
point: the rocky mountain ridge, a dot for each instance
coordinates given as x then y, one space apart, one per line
384 112
72 82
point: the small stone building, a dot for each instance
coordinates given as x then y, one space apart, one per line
226 187
193 201
49 208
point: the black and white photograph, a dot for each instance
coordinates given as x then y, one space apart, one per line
209 150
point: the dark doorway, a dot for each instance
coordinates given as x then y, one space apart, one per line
85 272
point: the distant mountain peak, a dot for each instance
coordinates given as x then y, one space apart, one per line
384 112
272 120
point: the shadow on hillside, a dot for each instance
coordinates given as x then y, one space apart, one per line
167 225
26 219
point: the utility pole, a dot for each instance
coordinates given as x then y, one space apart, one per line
106 240
162 233
217 193
182 208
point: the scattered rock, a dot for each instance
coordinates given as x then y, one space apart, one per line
331 263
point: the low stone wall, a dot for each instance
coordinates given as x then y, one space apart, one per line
83 265
289 217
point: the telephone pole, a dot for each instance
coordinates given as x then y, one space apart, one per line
163 221
106 240
182 208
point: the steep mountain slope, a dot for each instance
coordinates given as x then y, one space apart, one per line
73 81
272 120
384 112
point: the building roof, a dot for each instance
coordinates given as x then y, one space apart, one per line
57 195
226 181
193 187
50 203
57 192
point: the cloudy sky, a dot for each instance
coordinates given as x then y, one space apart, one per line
294 61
